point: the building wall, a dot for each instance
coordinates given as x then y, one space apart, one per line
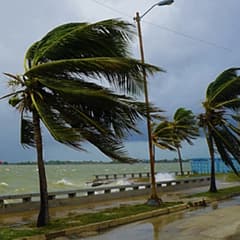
202 165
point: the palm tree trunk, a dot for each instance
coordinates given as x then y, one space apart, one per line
43 217
154 199
213 187
180 161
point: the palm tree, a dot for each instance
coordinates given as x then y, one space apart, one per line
82 84
220 121
170 134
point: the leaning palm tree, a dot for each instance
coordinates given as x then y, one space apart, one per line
170 134
220 121
82 84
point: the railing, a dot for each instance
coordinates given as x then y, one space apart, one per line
134 175
71 197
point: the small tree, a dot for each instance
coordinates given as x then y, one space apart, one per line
170 134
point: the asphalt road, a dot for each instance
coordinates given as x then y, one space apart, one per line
222 223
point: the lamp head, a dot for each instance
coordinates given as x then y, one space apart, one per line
161 3
165 2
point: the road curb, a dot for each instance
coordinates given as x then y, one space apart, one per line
96 227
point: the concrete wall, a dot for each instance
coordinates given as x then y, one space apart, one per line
24 202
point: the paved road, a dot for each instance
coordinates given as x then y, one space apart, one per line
222 223
204 224
219 224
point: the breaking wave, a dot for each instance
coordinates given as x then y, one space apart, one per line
164 177
64 182
122 181
3 184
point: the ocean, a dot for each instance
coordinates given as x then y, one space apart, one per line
18 179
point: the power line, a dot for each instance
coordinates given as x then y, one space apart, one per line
203 41
189 36
112 9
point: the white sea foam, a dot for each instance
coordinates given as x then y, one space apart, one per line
64 182
118 182
164 177
3 184
122 181
112 182
19 190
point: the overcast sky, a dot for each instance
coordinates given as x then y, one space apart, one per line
192 40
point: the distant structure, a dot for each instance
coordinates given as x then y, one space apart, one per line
203 165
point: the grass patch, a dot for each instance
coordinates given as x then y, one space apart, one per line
220 194
8 233
228 177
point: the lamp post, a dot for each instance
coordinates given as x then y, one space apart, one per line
154 199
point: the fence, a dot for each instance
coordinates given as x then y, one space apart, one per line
133 175
203 165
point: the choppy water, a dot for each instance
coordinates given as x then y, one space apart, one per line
16 179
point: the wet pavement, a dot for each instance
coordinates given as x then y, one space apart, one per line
210 223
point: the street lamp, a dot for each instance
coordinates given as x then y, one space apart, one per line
154 199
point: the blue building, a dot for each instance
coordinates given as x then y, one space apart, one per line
203 165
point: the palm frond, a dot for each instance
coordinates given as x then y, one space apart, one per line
165 144
225 87
122 73
81 40
110 146
105 114
116 114
29 56
234 124
225 156
58 128
226 146
231 139
233 104
11 94
104 131
75 87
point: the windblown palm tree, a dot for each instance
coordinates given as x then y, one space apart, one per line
81 83
170 134
220 121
